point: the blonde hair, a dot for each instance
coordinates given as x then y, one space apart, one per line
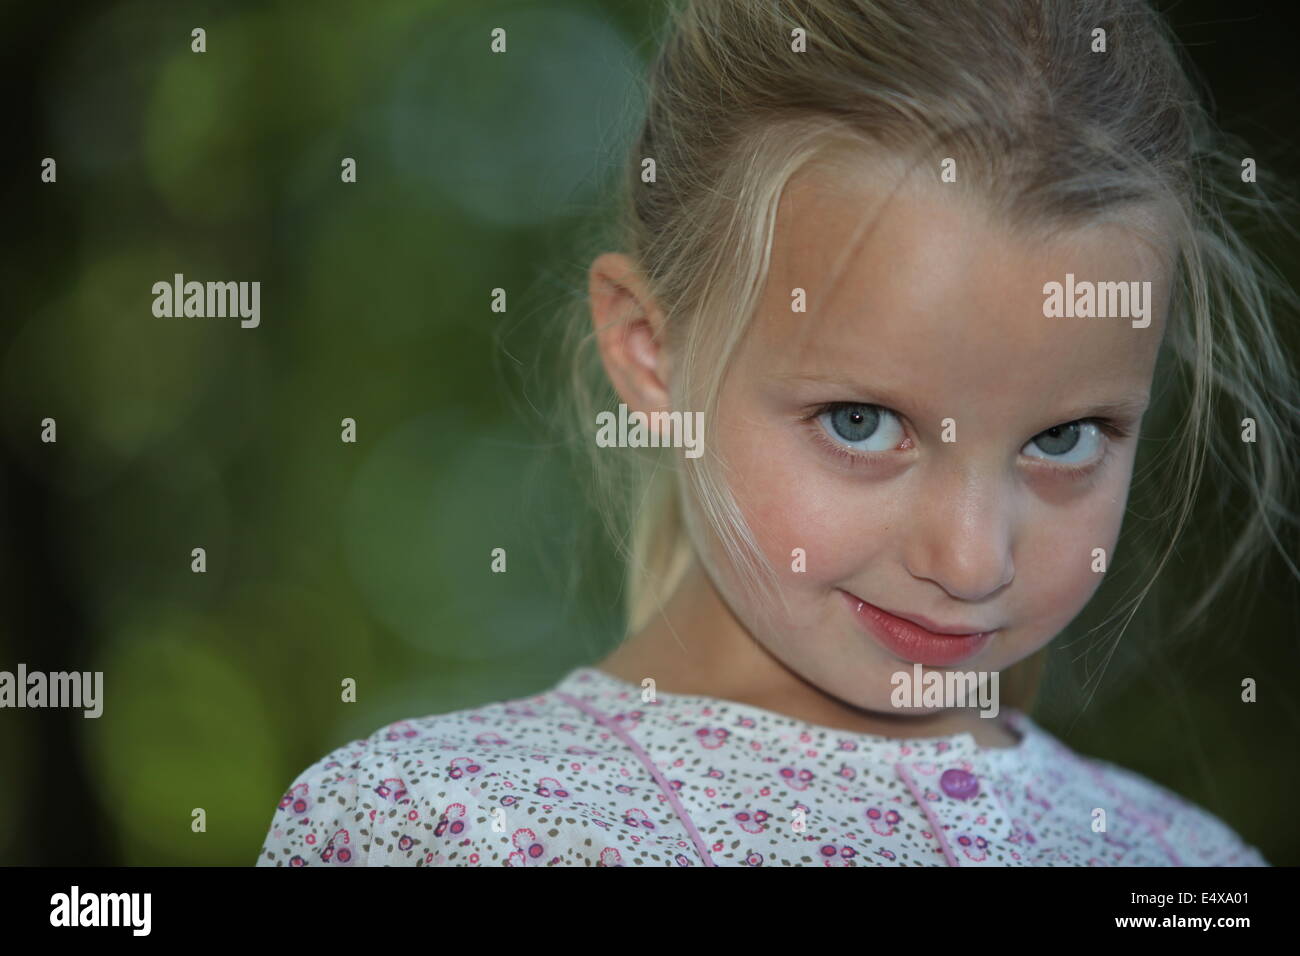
1052 133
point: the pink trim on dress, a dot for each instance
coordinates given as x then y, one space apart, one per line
925 808
650 765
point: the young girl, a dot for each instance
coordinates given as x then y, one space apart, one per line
914 265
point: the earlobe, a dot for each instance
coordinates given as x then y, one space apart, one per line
628 323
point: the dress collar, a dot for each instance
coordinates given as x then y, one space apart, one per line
704 715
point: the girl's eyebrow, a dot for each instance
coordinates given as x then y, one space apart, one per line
880 396
1129 407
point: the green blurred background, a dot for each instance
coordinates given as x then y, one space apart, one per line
370 560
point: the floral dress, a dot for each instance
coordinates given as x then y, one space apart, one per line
589 774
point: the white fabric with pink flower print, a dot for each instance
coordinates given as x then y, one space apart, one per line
587 774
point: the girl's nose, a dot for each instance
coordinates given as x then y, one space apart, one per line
963 533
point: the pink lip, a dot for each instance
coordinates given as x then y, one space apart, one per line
915 639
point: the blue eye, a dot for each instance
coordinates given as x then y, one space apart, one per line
1071 444
861 427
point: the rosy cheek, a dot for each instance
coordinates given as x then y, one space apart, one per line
784 506
840 538
1061 589
1055 569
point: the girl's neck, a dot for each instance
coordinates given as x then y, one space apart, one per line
697 646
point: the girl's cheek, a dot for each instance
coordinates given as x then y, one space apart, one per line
789 506
1063 588
767 494
1060 566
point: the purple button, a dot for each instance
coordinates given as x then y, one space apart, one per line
959 784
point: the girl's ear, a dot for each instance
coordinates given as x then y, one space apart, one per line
629 327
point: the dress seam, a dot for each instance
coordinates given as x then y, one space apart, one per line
655 772
929 816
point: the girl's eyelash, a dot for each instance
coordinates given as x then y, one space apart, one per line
1112 428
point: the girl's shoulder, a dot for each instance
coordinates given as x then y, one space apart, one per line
399 795
1124 801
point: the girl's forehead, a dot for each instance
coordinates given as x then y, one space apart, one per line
834 228
935 282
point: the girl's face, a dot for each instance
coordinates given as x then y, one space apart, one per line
932 443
